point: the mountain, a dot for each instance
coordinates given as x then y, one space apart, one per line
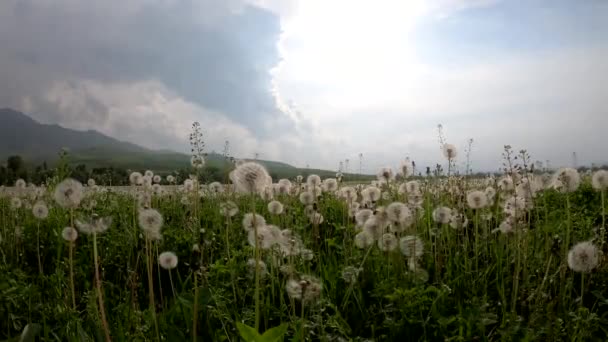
36 142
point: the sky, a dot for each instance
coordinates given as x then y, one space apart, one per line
317 82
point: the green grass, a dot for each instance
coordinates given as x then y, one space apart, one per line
481 285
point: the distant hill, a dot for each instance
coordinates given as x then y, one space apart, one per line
36 142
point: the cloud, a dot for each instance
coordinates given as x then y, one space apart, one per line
315 82
215 54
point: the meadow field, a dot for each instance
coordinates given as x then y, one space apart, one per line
447 257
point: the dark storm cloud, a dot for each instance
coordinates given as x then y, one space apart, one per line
214 53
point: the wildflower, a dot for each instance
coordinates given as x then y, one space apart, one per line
330 185
307 289
250 178
398 212
307 254
350 274
313 181
364 240
374 227
136 178
95 225
189 185
411 246
477 199
216 187
449 151
167 260
406 169
583 257
20 184
289 243
307 198
261 266
490 193
442 215
385 175
16 203
515 206
457 220
68 194
566 180
150 221
348 193
371 194
251 221
264 236
170 179
387 242
69 234
197 162
40 210
505 183
505 227
228 209
91 182
599 180
156 179
275 208
363 215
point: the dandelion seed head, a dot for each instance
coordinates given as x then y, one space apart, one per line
442 215
40 210
449 151
330 185
363 215
584 257
313 181
167 260
275 208
566 180
69 234
388 242
411 246
16 203
151 222
136 178
599 180
250 177
197 162
250 221
477 199
68 194
228 209
307 198
364 240
398 212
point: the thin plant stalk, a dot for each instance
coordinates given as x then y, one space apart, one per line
102 310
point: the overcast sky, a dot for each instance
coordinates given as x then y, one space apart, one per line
318 81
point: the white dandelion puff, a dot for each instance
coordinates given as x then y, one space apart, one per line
477 199
40 210
583 257
599 180
167 260
68 194
69 234
411 246
442 215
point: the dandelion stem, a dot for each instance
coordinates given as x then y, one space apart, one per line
102 310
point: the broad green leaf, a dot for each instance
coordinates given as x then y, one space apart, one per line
275 334
248 333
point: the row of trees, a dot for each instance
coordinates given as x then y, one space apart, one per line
16 168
